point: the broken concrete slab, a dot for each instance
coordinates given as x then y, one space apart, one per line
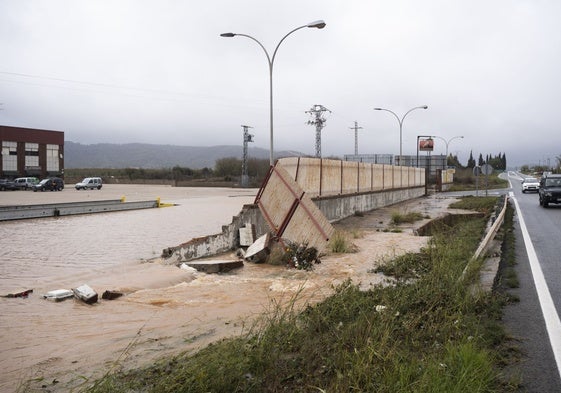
247 235
259 250
215 265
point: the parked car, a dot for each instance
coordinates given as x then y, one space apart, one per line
550 190
49 184
530 184
25 183
6 184
90 183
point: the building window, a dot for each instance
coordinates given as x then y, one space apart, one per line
31 155
52 158
9 156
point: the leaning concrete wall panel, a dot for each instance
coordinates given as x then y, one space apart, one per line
291 213
309 225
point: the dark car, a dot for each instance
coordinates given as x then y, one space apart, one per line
550 190
50 184
6 184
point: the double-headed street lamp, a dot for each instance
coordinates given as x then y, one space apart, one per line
447 142
400 121
318 25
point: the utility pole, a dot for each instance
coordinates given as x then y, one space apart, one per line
356 128
247 137
318 120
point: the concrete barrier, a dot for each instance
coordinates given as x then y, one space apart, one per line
339 189
21 212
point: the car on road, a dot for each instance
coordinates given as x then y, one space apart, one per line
25 183
92 183
49 184
6 184
550 190
530 184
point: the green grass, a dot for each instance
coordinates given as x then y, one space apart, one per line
410 217
480 204
426 332
341 242
465 180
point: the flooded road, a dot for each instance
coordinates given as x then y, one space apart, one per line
63 346
105 251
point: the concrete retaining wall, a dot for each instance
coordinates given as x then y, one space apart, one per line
334 208
338 188
323 177
338 207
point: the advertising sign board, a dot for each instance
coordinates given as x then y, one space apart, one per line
426 144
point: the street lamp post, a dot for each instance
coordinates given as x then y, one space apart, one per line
447 142
318 25
400 121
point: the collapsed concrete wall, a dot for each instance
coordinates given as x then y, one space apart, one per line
339 189
222 242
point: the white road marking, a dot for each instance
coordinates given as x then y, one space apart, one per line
552 322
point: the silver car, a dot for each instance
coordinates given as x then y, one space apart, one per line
91 183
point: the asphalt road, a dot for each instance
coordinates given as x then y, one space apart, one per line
534 321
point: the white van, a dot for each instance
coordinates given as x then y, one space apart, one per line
89 183
25 183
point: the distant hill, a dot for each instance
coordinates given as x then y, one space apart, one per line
138 155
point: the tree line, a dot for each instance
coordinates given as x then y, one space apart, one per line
497 162
225 169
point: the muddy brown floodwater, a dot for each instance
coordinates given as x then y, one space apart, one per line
62 346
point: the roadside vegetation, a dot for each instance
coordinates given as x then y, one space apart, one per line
409 217
465 180
423 330
225 170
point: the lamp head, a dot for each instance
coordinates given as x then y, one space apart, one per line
319 24
425 107
227 35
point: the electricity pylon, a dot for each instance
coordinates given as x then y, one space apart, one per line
356 128
318 120
247 137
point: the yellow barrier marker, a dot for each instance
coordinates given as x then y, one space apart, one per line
123 199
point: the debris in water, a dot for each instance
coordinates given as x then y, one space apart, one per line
85 294
58 295
111 295
22 294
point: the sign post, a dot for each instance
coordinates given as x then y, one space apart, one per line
476 173
486 169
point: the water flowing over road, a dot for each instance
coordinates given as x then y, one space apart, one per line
165 309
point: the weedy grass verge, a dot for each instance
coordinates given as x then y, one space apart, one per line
426 332
410 217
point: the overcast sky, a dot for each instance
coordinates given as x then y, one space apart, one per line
127 71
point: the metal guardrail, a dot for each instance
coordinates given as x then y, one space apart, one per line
22 212
489 236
